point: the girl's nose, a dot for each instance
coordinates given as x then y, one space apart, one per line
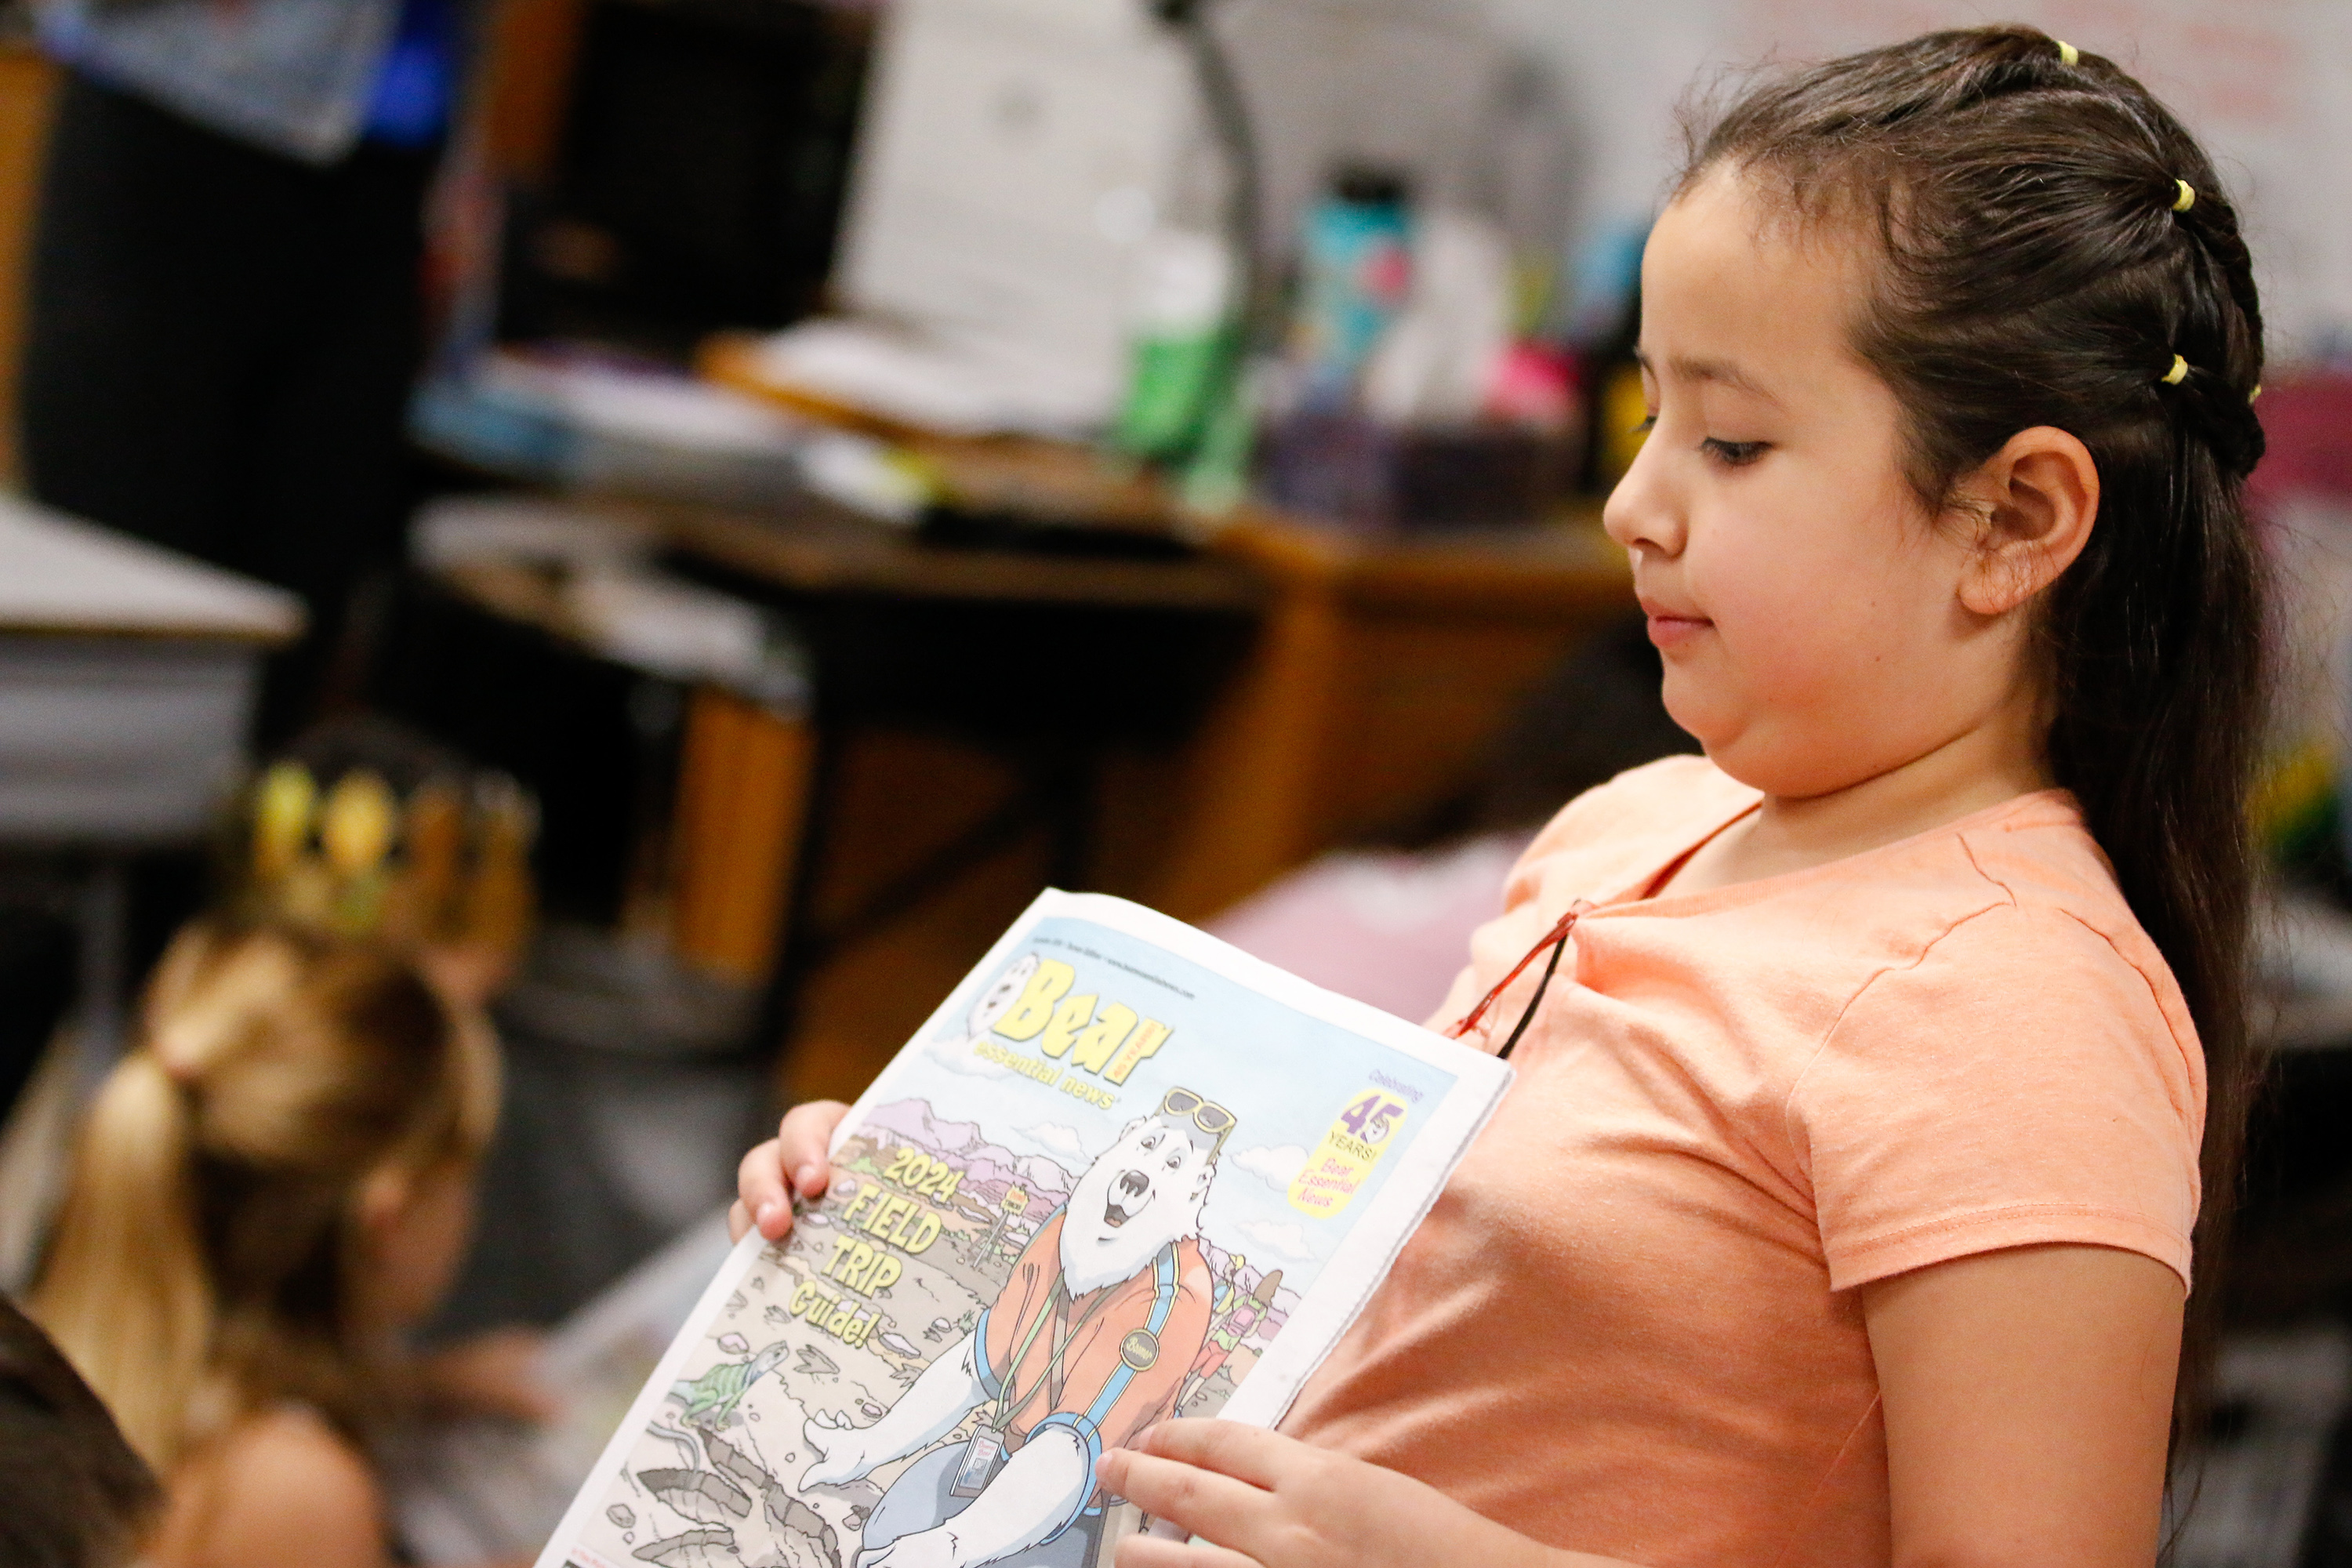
1643 511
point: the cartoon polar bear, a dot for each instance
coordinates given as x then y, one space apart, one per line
1086 1345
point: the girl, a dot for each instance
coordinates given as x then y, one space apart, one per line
268 1188
1841 1211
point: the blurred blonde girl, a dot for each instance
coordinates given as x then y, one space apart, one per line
274 1183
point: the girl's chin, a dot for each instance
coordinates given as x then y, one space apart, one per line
1692 714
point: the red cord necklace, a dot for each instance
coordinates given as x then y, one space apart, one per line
1555 939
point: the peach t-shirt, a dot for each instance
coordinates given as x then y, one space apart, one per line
1630 1324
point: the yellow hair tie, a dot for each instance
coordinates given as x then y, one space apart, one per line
2186 199
2177 373
2256 393
2067 53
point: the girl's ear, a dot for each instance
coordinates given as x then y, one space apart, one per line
384 1198
2035 501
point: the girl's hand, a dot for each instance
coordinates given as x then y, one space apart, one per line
1256 1497
792 1163
499 1373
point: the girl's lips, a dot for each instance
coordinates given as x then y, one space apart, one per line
1672 631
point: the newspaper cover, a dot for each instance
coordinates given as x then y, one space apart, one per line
1124 1172
470 1489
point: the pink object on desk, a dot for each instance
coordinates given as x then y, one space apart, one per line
2308 422
1384 927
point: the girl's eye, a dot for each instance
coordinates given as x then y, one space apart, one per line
1649 423
1734 454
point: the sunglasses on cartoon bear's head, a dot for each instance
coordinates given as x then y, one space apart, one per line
1207 1115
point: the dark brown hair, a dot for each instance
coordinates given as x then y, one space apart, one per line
2039 266
73 1494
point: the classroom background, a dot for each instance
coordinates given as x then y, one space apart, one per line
705 507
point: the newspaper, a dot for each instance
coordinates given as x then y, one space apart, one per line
1124 1172
464 1490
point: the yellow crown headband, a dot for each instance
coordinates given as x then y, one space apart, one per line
2068 54
449 864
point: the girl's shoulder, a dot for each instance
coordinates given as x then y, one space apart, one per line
1624 831
2008 1063
2021 894
2015 899
282 1487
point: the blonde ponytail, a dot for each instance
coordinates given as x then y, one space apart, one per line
202 1263
125 1293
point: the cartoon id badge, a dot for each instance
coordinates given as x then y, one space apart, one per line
981 1457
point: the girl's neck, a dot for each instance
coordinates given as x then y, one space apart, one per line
1981 767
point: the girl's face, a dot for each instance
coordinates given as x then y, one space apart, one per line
416 1226
1806 604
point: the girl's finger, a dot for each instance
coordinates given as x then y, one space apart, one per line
1249 1454
1152 1552
761 1189
804 1144
1228 1511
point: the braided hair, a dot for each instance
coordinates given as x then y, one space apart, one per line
2054 248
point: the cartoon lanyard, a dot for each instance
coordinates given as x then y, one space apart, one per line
988 1443
1555 939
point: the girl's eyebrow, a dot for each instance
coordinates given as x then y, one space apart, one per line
1684 367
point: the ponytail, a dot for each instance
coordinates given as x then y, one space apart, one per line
124 1293
204 1262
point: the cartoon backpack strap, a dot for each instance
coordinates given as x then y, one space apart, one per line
1140 1349
1136 1352
989 1381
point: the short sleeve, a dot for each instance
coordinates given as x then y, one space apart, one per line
2020 1084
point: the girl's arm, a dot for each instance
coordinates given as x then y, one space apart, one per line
2029 1402
2028 1399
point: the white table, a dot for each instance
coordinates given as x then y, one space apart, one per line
127 682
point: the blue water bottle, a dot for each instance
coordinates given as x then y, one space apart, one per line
1356 269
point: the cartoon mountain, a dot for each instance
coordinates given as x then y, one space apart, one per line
989 1168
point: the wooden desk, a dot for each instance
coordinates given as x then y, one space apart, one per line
1374 673
817 549
1382 667
1381 671
28 91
